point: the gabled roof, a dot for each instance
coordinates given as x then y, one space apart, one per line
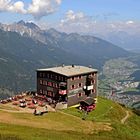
70 70
88 101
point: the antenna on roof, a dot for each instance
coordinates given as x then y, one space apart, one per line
63 65
90 66
72 65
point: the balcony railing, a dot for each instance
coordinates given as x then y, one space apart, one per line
62 92
63 86
88 87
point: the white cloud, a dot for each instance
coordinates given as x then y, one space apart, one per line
9 6
4 5
40 8
129 22
17 7
71 16
81 23
76 21
37 8
58 1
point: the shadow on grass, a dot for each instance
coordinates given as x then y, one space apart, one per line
9 137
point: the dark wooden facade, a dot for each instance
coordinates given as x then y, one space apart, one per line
67 88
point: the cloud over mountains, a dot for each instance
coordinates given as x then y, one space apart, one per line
72 20
37 8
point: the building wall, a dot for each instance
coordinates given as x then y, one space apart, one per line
76 93
48 83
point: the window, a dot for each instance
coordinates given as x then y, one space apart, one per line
43 75
80 85
40 75
93 91
93 74
51 76
79 76
73 86
41 91
93 82
50 84
44 82
56 77
49 93
72 78
79 94
54 85
45 92
62 78
40 82
65 79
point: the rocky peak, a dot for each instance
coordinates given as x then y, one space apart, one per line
30 25
21 22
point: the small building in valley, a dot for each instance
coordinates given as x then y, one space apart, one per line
69 84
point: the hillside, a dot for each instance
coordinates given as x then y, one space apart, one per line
88 50
24 47
109 121
21 56
95 51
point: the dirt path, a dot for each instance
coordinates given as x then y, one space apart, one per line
13 111
123 120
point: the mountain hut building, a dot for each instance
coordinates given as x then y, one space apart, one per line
69 84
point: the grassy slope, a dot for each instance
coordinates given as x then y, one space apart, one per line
105 111
63 126
108 111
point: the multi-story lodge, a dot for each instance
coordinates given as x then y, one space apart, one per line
69 84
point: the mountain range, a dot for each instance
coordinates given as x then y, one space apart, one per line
24 47
128 41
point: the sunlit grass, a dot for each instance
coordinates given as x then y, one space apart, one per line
105 111
68 124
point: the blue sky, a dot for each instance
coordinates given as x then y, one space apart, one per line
121 9
72 13
117 9
125 8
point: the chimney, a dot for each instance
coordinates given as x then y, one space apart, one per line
63 65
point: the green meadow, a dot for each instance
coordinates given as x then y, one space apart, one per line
104 123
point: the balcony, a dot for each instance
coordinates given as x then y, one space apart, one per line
88 87
63 86
62 92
